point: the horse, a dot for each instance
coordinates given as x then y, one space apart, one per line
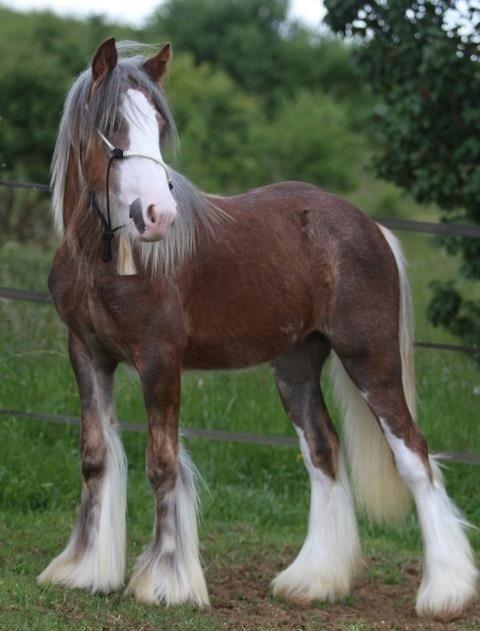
285 274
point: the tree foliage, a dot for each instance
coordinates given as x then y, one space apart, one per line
422 57
310 139
217 122
41 54
256 45
243 36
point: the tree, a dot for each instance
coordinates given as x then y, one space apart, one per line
422 57
227 144
310 139
41 55
242 36
217 123
257 46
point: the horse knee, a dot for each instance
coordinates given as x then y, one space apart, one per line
94 455
162 464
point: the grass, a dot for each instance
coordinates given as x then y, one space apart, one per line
258 496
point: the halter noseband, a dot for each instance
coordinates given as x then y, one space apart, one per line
107 231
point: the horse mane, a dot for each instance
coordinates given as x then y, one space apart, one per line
82 116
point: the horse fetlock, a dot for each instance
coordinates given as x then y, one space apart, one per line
161 580
447 594
302 585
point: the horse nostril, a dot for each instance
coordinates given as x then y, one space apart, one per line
151 213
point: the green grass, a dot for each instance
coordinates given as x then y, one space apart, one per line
258 496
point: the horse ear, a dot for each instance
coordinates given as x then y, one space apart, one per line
156 66
105 60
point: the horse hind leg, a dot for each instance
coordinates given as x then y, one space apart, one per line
330 557
450 577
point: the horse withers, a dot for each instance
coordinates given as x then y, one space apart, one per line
153 272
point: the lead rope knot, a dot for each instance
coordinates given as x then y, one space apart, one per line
107 238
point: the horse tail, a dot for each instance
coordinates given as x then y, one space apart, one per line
379 490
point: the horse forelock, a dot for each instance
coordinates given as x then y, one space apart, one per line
87 110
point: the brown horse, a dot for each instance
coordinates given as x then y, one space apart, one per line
286 274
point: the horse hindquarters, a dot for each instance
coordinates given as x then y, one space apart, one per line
450 576
330 556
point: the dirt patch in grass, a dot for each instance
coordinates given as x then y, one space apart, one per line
240 564
381 599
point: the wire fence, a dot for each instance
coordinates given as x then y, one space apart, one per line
28 185
446 229
12 293
246 438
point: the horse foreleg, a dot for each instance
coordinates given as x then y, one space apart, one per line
94 558
169 571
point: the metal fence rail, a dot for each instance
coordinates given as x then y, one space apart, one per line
428 227
218 435
28 185
36 296
23 294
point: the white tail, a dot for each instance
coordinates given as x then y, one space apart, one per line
378 487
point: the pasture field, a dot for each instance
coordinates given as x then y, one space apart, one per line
255 500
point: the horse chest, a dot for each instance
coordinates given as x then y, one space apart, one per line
91 320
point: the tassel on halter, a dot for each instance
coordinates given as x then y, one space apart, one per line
125 263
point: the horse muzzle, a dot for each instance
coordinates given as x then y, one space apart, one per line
152 223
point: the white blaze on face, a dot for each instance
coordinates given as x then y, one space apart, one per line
142 180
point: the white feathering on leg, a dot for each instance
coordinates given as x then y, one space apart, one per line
450 577
171 573
99 563
330 557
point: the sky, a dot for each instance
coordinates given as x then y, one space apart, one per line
134 12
